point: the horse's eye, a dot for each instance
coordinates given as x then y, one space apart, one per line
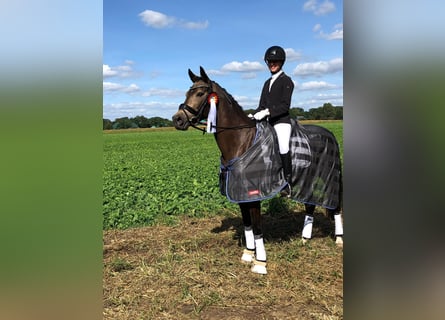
200 94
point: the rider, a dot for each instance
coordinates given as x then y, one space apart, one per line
274 104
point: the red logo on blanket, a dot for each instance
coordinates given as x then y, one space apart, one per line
253 192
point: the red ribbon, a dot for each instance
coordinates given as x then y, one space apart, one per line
212 96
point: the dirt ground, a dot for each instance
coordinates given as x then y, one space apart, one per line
193 271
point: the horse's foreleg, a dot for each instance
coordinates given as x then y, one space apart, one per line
252 221
259 263
249 251
335 214
306 234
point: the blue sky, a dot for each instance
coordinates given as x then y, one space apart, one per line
148 47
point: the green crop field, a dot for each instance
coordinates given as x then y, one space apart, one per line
153 176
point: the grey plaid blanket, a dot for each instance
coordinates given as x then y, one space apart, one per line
257 175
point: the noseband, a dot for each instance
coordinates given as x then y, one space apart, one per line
197 114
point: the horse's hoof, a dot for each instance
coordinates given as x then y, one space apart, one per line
304 240
339 241
247 256
259 267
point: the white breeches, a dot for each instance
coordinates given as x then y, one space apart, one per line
283 131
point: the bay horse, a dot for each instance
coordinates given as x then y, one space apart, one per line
234 133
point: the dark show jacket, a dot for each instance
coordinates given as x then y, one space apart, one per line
278 100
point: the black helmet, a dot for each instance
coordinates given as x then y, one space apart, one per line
275 53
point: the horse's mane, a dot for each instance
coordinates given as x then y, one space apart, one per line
229 97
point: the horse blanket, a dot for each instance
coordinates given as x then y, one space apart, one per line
257 175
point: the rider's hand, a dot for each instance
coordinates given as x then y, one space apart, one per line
261 114
250 116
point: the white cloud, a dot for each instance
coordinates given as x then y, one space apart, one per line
108 72
316 85
319 68
123 71
133 109
249 75
213 72
163 93
333 97
245 66
337 34
292 55
319 9
156 19
159 20
317 27
116 87
318 101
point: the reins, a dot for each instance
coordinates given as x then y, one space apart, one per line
245 126
221 129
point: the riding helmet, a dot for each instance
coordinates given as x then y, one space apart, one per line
275 53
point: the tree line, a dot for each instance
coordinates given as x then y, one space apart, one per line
326 112
136 122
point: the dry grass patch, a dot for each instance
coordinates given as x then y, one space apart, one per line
193 271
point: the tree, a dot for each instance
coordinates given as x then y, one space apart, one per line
296 112
328 112
314 114
141 121
252 111
107 124
158 122
338 113
124 123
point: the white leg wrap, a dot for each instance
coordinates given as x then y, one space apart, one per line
307 228
259 249
250 240
338 225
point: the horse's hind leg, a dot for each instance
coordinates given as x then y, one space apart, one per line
306 234
336 216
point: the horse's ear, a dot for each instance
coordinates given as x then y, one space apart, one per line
204 75
193 76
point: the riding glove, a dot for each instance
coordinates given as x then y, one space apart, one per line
261 114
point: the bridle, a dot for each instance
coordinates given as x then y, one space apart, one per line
197 115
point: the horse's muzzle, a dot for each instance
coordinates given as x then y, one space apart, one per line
180 121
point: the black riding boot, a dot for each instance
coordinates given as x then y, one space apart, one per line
286 161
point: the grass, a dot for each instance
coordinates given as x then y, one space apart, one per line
189 267
154 176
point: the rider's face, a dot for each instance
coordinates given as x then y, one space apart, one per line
274 66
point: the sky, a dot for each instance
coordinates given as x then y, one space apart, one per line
148 47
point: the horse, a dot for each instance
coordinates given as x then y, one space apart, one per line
234 133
